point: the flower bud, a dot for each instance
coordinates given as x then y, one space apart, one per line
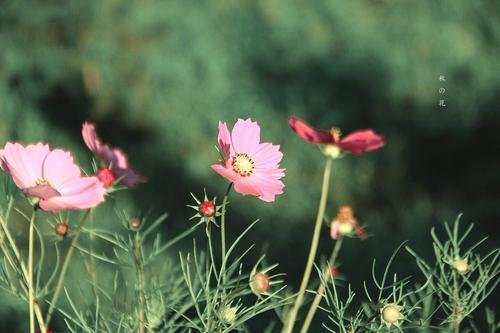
207 208
391 314
331 272
260 283
61 229
228 314
135 223
106 177
461 265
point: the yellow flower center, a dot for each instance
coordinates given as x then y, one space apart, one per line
243 164
42 181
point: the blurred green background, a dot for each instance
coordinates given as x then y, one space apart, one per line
157 76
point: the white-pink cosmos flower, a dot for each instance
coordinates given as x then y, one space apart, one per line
51 176
253 167
114 158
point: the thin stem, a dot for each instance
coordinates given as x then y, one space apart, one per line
223 233
140 281
65 266
31 291
39 317
321 288
457 310
312 251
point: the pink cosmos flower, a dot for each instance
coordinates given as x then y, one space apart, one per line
356 142
344 223
114 158
51 176
252 166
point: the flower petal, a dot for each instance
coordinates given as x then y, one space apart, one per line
227 173
309 133
267 156
245 136
334 229
23 164
359 231
59 168
90 137
80 193
361 141
224 139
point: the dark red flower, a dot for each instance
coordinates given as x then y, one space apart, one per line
356 142
48 331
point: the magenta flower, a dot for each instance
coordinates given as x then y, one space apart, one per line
114 158
252 166
357 142
51 176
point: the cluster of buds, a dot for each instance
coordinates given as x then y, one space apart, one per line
206 209
345 223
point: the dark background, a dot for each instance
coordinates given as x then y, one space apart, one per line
157 76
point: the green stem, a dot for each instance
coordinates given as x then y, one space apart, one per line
312 251
31 289
456 296
65 266
321 288
140 281
223 234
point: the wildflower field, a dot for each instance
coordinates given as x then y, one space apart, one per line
249 166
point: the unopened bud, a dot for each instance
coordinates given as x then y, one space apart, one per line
461 265
61 229
207 208
135 223
332 272
106 177
391 314
228 314
260 283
